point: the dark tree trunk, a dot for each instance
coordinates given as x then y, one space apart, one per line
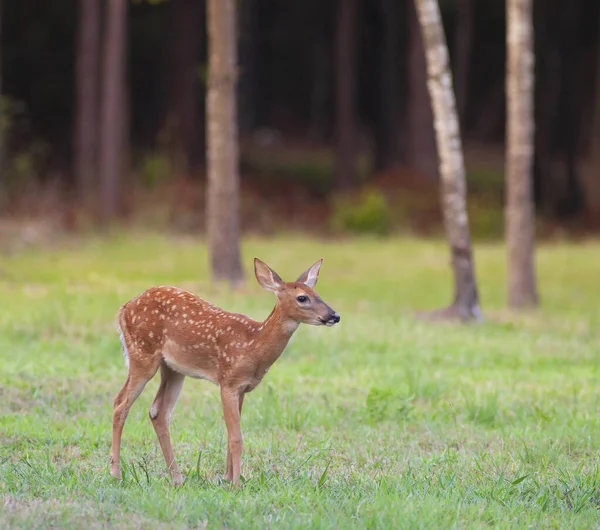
87 100
248 30
547 99
223 204
386 132
520 218
320 89
462 42
345 59
591 170
182 122
572 201
112 115
452 170
2 179
422 154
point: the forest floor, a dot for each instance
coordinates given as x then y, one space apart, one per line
380 422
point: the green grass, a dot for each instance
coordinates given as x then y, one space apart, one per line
380 422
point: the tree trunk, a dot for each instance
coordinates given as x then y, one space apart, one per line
112 119
591 168
547 181
182 115
222 144
345 104
463 39
520 218
2 179
386 137
248 24
452 170
87 101
421 134
319 94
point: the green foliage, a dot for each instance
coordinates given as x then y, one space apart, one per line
155 168
486 220
366 213
380 422
487 181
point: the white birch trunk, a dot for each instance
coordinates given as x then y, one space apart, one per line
451 164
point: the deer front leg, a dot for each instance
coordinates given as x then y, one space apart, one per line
229 472
232 403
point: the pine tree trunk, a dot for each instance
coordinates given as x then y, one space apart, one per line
452 170
112 118
520 219
87 100
222 144
346 135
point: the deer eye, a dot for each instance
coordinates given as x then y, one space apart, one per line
302 299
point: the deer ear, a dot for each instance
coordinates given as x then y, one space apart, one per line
310 276
267 277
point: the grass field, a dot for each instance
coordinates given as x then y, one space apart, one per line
380 422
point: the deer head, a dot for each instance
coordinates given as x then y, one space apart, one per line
297 300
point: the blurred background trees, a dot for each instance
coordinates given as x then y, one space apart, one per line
104 108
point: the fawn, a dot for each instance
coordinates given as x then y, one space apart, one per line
183 335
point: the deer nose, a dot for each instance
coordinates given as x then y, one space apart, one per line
336 318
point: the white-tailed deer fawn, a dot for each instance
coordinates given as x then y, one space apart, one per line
183 335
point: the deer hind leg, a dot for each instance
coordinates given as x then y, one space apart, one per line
171 383
137 378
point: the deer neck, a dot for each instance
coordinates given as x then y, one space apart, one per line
274 333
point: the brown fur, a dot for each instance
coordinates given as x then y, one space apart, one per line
183 335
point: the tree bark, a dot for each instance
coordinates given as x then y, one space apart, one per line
222 144
87 100
386 132
2 179
182 116
421 134
345 105
520 218
112 119
463 39
591 168
452 170
248 24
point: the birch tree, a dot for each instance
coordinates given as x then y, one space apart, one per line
223 204
451 165
519 211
